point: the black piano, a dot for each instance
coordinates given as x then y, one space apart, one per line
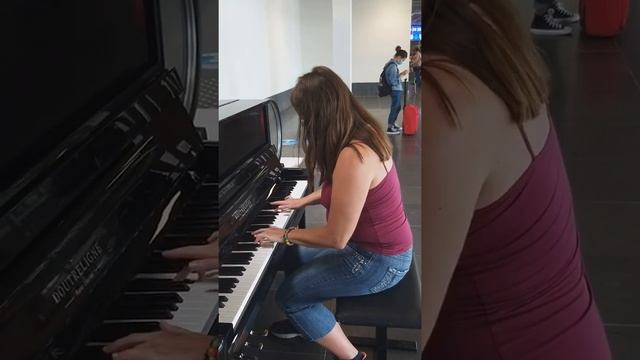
101 168
251 176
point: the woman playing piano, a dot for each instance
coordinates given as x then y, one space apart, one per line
366 245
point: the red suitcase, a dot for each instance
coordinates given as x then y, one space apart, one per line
410 115
604 17
410 119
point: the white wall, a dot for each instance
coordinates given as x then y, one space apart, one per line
265 45
378 27
317 33
260 47
342 39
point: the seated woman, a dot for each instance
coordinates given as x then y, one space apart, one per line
366 245
503 276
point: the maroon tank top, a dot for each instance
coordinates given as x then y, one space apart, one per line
383 227
519 291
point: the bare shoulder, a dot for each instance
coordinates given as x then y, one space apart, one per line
358 152
480 116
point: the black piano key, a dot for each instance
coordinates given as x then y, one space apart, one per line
139 315
231 270
226 283
221 305
264 219
245 247
160 285
143 307
241 256
235 262
223 299
226 290
162 298
108 332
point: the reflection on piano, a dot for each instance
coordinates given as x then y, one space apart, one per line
80 233
251 177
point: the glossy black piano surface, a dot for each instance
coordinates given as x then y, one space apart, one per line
251 177
75 230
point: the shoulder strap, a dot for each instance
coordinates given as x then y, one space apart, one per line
526 140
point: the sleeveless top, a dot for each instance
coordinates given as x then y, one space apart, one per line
519 290
383 227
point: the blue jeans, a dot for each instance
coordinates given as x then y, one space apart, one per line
317 275
396 106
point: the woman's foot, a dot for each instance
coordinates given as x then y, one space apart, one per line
284 329
361 356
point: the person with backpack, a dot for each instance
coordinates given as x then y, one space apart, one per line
391 75
551 18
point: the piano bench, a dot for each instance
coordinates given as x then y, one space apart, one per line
397 307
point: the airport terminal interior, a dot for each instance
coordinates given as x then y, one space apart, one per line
186 141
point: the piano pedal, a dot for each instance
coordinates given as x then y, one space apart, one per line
263 333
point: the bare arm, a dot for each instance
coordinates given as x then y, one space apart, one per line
352 179
455 166
313 198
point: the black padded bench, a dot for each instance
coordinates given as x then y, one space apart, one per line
398 307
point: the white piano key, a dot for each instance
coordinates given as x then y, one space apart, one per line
238 300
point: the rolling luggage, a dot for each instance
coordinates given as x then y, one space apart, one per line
604 17
410 115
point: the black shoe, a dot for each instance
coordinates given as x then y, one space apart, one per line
392 130
361 356
284 329
563 15
399 128
546 24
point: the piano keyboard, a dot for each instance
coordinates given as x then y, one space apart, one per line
152 295
240 275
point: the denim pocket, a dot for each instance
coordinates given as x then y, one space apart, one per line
390 279
356 260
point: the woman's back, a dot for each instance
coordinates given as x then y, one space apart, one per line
519 289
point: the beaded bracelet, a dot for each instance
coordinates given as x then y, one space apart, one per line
285 236
212 351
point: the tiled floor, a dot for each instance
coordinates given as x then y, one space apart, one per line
596 108
407 160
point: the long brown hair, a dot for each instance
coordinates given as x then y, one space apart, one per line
485 38
330 120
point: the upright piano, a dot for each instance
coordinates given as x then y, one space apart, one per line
251 176
81 231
